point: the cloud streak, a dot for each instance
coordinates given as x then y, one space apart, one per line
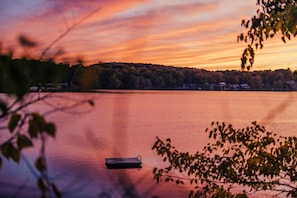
200 33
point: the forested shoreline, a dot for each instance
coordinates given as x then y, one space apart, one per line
47 76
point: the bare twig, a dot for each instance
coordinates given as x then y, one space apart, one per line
66 32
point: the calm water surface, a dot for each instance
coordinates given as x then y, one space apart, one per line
125 124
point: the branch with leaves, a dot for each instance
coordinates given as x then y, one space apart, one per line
272 17
24 129
22 126
251 157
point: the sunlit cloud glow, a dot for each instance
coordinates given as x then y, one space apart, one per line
189 33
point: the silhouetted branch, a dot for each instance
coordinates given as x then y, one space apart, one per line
66 32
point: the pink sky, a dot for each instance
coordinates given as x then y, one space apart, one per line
187 33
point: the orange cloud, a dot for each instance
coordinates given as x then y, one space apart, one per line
179 33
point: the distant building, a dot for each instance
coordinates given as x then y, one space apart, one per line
189 86
291 85
223 85
245 86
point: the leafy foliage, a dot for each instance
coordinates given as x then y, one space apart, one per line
20 138
248 56
24 127
10 151
15 118
18 75
273 16
251 157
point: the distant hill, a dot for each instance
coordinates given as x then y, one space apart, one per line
24 74
149 76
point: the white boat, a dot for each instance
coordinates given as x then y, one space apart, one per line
118 162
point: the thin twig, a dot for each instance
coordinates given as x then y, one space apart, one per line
66 32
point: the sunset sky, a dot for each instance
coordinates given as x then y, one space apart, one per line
186 33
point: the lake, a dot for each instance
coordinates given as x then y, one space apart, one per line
125 124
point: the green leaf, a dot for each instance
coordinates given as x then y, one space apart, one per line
3 107
283 39
33 129
50 129
39 120
15 118
23 142
5 150
9 151
15 154
36 124
40 164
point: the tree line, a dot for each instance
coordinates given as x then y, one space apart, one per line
47 74
148 76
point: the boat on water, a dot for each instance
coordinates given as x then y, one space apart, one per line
119 162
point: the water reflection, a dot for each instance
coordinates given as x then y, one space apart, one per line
125 124
120 112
